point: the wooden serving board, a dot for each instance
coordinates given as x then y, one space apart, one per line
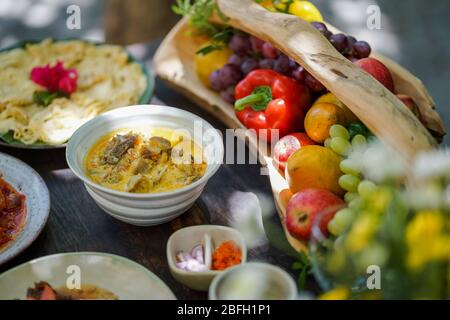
379 109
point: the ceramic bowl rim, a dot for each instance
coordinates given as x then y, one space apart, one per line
70 154
130 262
212 292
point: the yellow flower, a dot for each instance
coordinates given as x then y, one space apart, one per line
379 200
427 239
340 293
336 261
362 232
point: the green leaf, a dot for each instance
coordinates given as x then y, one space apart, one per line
8 137
218 42
44 98
298 265
208 49
302 279
355 128
200 13
182 7
303 265
224 35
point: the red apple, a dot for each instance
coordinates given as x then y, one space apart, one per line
410 104
378 70
287 146
305 206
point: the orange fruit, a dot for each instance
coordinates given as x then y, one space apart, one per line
331 98
314 167
320 118
285 196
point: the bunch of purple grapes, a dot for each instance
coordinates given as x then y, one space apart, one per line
251 53
349 46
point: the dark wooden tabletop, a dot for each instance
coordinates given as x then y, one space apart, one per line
76 223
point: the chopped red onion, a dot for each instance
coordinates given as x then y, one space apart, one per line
192 261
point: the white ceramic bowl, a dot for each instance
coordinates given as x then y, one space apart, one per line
253 281
123 277
151 208
187 238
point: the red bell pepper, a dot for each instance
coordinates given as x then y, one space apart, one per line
268 100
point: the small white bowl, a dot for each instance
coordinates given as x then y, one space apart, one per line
150 208
187 238
122 277
252 279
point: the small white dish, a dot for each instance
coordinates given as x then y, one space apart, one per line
253 281
187 238
28 182
150 208
122 277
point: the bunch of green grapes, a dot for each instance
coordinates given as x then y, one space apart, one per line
350 143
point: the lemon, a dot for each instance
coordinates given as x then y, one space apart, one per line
305 10
208 63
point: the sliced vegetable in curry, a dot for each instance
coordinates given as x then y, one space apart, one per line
133 162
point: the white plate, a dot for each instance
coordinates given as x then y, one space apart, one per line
144 98
123 277
28 182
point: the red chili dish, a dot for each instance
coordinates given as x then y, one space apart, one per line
13 213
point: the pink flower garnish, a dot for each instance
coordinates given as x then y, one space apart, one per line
55 79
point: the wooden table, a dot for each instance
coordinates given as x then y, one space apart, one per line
77 224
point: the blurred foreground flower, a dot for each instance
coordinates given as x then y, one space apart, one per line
248 211
340 293
400 227
380 163
432 165
427 239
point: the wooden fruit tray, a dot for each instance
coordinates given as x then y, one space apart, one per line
379 109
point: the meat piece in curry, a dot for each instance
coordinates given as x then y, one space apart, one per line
134 163
44 291
117 147
13 213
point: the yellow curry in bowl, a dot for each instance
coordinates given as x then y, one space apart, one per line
137 162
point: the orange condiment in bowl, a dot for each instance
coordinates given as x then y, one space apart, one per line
228 254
